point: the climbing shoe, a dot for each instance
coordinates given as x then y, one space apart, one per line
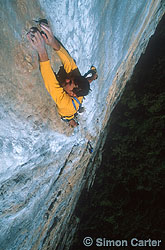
94 71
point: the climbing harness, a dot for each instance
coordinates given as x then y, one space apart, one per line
80 109
74 105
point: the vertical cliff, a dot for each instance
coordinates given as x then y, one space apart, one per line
44 164
126 199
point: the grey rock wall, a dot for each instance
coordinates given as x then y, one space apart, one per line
43 163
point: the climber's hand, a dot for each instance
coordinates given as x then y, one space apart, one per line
36 40
38 43
49 37
73 123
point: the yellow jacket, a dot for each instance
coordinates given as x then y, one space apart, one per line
62 99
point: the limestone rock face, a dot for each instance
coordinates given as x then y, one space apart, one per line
44 163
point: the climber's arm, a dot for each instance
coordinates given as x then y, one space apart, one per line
66 59
48 36
51 83
37 42
48 75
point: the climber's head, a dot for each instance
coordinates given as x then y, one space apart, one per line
76 86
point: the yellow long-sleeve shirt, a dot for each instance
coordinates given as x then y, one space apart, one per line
62 99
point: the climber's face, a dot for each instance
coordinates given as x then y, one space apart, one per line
70 85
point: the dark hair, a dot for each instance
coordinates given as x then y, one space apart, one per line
83 86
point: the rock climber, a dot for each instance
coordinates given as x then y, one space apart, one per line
67 94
